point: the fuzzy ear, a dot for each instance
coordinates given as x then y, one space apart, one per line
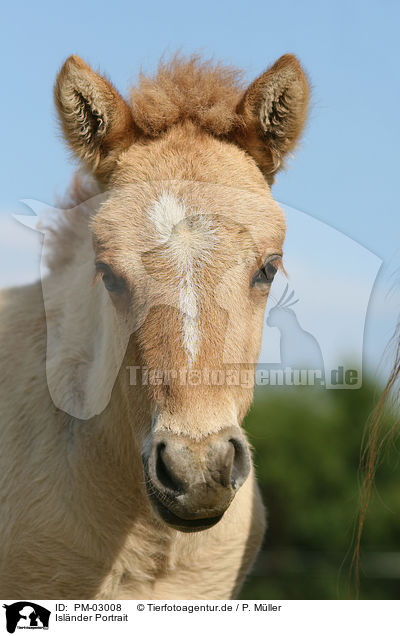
273 112
96 121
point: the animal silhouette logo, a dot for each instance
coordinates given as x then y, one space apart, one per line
26 615
299 349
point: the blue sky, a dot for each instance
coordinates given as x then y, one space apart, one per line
346 171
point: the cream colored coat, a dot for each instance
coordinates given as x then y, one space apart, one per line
75 519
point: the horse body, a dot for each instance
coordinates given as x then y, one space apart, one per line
114 489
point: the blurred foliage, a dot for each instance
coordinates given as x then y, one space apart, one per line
307 455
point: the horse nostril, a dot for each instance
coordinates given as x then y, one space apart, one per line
163 473
241 463
198 477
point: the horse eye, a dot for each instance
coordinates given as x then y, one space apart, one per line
111 282
265 275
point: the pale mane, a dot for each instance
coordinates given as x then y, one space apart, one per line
70 227
204 92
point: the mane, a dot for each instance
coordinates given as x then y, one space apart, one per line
205 92
70 225
381 429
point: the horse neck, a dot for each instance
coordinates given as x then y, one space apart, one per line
104 480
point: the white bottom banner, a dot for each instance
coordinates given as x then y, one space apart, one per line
182 617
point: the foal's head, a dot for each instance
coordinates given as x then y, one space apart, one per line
187 243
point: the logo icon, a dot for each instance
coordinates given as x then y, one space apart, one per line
26 615
299 349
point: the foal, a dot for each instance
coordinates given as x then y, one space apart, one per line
124 469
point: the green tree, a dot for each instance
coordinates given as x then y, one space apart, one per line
307 454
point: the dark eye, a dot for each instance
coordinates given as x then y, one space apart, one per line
265 275
111 282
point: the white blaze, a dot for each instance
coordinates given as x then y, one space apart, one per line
165 213
189 238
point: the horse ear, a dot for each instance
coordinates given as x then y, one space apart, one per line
96 121
273 111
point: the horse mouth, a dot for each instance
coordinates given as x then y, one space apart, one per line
178 523
190 498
